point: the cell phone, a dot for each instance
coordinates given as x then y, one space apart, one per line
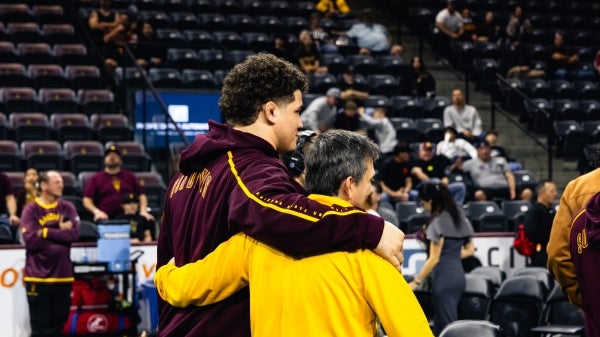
65 218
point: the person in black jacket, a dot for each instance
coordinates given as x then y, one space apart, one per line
538 221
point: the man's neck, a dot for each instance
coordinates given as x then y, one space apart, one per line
47 199
112 171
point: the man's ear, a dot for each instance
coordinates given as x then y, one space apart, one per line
346 188
269 112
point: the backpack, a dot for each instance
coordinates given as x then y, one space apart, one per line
522 244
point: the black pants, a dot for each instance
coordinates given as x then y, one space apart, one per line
49 306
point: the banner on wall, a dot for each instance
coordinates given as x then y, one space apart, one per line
14 316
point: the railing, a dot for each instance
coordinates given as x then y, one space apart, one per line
550 117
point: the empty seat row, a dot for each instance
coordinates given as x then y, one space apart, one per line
42 53
52 33
51 76
41 13
57 100
65 126
74 156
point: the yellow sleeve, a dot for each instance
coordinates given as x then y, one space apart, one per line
323 6
219 275
343 6
391 298
559 256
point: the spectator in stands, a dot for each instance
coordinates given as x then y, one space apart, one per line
143 46
307 55
142 229
395 178
432 168
29 191
247 188
320 113
102 20
517 63
455 148
352 90
396 50
448 27
419 81
563 63
488 30
373 38
354 289
49 226
519 26
280 49
497 151
104 191
347 118
385 133
332 8
538 221
116 39
463 117
469 25
449 234
8 205
491 175
375 206
583 248
325 44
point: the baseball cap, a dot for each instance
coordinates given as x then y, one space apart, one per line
129 198
334 92
482 143
110 149
426 146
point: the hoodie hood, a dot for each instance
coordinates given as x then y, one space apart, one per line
593 210
220 139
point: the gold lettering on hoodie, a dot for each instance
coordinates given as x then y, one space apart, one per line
49 217
582 242
200 179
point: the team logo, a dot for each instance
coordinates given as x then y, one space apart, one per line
97 323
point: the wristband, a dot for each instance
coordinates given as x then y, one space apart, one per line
416 280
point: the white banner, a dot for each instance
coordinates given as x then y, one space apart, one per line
14 316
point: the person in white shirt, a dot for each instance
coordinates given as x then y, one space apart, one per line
320 113
455 148
463 117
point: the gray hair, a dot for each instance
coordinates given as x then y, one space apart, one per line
335 156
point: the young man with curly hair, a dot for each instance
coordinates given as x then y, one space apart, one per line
231 180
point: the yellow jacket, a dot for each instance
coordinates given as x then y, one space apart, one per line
574 198
325 6
335 294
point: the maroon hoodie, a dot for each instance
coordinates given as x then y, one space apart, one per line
233 181
585 252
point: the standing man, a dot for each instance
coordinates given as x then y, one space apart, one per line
574 198
103 193
232 180
538 221
448 27
463 117
49 226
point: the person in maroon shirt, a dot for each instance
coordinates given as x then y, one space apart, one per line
585 252
103 193
231 179
49 225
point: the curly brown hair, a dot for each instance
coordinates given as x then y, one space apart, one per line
256 81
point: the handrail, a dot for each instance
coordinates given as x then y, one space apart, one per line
549 138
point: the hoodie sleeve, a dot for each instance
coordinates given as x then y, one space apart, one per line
266 206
